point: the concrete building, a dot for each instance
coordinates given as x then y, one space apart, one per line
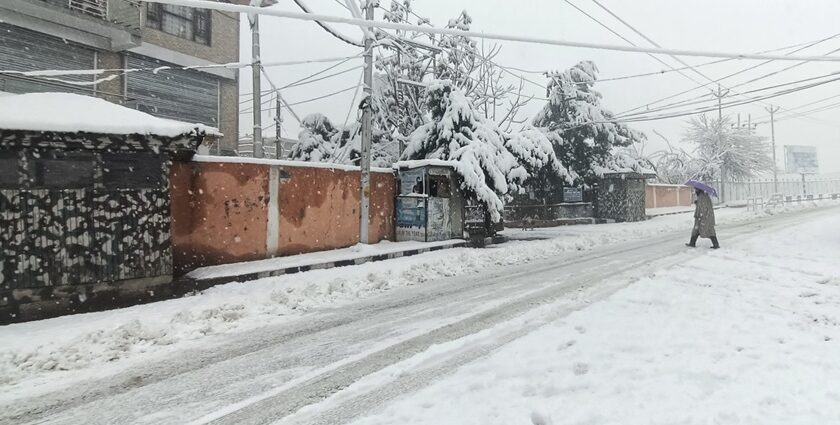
117 34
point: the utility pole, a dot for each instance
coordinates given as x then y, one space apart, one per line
278 121
772 110
720 94
256 63
367 130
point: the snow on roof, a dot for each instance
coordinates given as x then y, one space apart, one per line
67 112
425 162
284 163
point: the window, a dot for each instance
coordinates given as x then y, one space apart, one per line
135 170
9 178
181 21
63 170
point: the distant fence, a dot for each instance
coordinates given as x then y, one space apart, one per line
765 188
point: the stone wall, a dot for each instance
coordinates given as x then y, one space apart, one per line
621 197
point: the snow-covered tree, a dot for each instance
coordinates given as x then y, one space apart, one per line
676 166
535 153
719 146
491 163
321 141
582 131
315 140
419 57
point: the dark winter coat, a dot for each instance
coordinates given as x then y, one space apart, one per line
704 216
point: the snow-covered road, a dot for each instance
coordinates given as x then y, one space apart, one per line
347 361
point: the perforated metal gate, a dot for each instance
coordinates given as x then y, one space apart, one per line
87 232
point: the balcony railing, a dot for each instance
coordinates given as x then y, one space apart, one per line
125 14
95 8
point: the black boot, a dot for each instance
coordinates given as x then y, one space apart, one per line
715 244
693 242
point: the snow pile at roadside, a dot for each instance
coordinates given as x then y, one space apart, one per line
82 341
750 334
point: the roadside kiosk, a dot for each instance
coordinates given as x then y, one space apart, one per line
430 204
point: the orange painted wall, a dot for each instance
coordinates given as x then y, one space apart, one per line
664 196
219 213
319 209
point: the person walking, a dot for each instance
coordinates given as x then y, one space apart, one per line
704 220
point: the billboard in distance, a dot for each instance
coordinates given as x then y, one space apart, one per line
801 160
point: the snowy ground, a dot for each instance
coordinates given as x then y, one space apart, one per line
49 355
55 348
749 334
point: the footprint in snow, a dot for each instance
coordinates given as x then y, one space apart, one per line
580 369
539 418
566 345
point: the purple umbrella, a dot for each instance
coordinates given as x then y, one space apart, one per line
702 186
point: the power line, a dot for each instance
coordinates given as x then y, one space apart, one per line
710 108
696 102
651 41
616 33
308 79
49 73
805 105
203 4
300 102
638 32
329 29
798 48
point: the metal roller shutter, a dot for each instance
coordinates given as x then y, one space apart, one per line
25 50
183 95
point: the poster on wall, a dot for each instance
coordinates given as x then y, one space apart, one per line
412 181
439 220
411 218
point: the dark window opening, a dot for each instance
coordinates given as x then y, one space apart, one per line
63 170
9 175
181 21
132 170
439 187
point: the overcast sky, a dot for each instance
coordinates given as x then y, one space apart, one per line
717 25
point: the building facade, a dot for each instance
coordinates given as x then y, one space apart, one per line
100 35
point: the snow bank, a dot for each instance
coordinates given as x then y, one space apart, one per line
749 334
67 112
66 348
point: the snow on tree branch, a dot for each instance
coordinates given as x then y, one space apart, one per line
491 163
582 131
739 151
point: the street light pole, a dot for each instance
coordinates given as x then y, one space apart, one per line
367 130
720 93
772 110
